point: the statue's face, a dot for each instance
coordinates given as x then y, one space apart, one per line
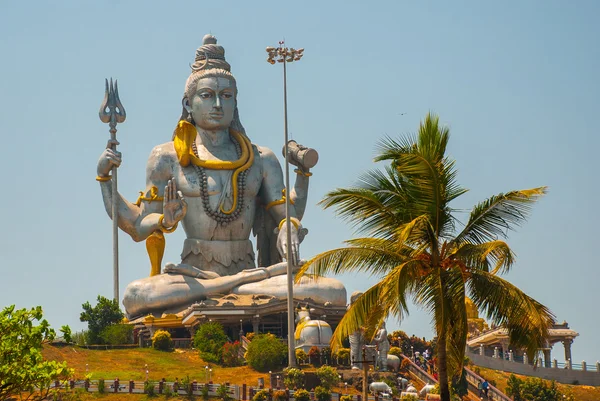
213 104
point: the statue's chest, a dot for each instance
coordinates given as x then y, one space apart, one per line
193 181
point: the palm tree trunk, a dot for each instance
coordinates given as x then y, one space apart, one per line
442 366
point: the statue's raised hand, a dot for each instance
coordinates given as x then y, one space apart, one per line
174 206
296 237
109 158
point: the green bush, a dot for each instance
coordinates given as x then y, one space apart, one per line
117 334
396 351
222 393
293 378
209 340
161 340
329 376
266 352
261 395
409 397
343 356
149 388
302 395
532 388
346 398
204 392
322 394
301 355
101 387
187 385
167 391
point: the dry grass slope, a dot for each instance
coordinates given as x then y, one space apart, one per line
128 364
581 393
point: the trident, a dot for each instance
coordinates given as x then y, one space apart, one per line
112 112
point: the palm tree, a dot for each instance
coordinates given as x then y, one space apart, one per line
413 248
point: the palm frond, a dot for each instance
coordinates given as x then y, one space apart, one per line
428 176
494 255
493 217
366 311
401 282
506 305
376 261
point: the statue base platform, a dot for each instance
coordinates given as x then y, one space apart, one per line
238 313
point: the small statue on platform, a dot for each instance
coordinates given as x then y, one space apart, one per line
220 187
383 347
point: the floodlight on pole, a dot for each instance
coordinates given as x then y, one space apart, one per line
286 55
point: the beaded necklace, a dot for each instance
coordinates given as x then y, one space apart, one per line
218 215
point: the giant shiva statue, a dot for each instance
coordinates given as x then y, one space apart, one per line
219 186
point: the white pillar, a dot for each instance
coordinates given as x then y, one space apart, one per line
496 353
481 349
525 359
597 367
583 366
555 363
510 356
569 364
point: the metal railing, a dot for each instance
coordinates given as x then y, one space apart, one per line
540 363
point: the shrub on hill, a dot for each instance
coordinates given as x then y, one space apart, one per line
117 334
261 395
209 340
279 395
301 355
293 378
396 351
266 352
161 340
343 356
231 354
302 395
329 376
533 388
322 394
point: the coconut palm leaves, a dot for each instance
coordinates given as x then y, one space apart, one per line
412 247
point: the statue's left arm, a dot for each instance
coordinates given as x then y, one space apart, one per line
272 195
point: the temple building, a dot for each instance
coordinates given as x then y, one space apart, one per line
494 342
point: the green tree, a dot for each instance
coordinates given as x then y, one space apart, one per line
99 317
413 248
116 334
265 352
209 340
22 367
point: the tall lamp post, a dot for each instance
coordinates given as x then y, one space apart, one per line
286 55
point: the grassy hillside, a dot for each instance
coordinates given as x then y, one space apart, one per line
580 392
129 364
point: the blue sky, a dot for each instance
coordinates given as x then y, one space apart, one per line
516 82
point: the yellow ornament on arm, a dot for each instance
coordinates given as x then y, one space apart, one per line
163 228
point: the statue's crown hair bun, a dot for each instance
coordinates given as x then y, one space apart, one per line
210 55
